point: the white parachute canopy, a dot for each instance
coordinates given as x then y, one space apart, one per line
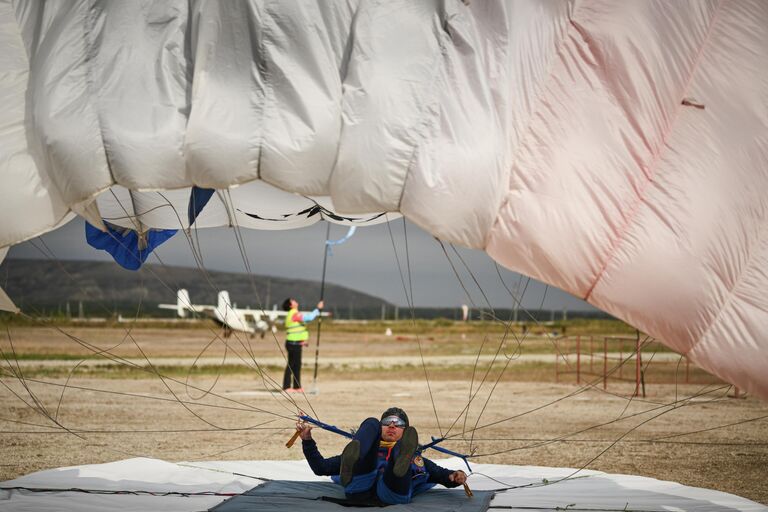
616 150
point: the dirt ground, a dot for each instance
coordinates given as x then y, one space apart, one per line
677 433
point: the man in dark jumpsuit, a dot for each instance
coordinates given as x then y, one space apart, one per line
381 463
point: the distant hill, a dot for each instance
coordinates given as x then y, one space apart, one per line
104 287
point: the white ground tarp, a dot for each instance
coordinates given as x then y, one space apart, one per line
591 491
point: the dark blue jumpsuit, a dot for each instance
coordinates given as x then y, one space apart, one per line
373 475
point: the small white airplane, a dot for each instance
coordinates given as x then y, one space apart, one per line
231 318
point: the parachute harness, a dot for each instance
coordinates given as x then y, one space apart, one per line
350 435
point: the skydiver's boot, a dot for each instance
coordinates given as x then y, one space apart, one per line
360 455
349 458
398 476
406 449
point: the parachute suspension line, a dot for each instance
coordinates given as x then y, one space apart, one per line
519 305
214 339
413 320
125 362
51 256
519 341
244 408
110 356
543 299
466 409
587 387
669 408
110 349
665 408
38 406
133 218
208 456
636 352
163 431
408 269
266 380
326 250
244 256
164 378
561 440
153 369
19 376
43 411
409 300
246 262
480 288
559 353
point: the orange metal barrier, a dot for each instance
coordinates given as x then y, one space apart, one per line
580 357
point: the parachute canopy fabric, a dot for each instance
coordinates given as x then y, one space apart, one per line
616 150
187 487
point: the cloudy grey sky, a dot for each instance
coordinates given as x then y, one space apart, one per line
366 263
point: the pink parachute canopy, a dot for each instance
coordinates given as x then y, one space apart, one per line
616 150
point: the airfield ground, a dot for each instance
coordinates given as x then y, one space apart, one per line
209 404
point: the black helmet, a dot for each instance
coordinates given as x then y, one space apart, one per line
396 411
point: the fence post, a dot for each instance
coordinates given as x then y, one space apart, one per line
578 359
621 358
557 360
591 355
638 362
605 363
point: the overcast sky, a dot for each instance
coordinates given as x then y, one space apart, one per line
366 263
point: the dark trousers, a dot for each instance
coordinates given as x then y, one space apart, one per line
292 375
369 435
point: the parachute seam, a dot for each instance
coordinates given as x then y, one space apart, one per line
261 66
652 167
444 37
534 110
89 57
731 293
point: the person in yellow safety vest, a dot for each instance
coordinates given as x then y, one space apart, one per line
296 336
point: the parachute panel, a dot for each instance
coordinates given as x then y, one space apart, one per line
302 110
662 223
222 139
30 202
137 76
65 133
390 101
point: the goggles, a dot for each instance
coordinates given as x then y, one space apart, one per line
397 421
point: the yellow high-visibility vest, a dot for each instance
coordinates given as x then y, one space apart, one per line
295 332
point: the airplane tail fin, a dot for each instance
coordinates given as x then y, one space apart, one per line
183 303
224 304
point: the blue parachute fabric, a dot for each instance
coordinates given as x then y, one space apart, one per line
330 243
198 198
123 244
350 232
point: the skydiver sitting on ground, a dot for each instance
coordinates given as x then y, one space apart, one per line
381 463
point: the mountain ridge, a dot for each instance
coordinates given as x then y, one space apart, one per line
45 284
